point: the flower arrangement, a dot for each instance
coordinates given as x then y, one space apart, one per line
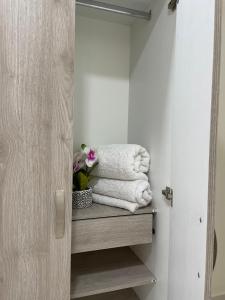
84 162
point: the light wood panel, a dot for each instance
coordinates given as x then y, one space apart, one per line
36 89
213 148
105 271
103 211
222 297
127 294
105 233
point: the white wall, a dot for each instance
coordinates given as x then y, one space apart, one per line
150 125
170 114
219 273
102 82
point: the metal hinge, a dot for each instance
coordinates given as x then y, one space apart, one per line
168 193
173 5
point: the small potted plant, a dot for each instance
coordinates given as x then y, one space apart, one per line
84 162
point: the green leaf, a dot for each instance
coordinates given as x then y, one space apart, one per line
92 168
83 181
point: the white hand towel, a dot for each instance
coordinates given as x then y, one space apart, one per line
125 162
100 199
137 191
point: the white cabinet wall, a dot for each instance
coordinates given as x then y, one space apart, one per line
102 82
172 73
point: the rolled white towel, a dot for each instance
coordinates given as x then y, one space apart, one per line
124 162
100 199
137 191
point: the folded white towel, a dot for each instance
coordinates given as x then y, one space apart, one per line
100 199
137 191
125 162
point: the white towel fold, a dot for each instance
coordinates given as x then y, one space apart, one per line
125 162
100 199
137 191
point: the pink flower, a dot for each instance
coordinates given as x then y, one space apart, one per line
91 156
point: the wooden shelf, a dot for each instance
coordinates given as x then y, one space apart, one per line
106 271
103 211
102 227
127 294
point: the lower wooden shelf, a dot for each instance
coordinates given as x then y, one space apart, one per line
127 294
107 271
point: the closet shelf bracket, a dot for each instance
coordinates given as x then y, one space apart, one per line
115 9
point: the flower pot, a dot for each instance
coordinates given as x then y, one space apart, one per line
82 199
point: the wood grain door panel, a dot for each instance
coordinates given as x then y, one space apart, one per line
36 90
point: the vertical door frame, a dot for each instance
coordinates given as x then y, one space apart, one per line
213 148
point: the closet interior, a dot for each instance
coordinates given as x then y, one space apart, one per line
122 57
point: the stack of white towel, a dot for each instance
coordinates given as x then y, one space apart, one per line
120 179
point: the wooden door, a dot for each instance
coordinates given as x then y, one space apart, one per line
36 90
215 253
191 120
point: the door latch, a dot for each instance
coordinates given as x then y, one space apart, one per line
168 193
173 5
